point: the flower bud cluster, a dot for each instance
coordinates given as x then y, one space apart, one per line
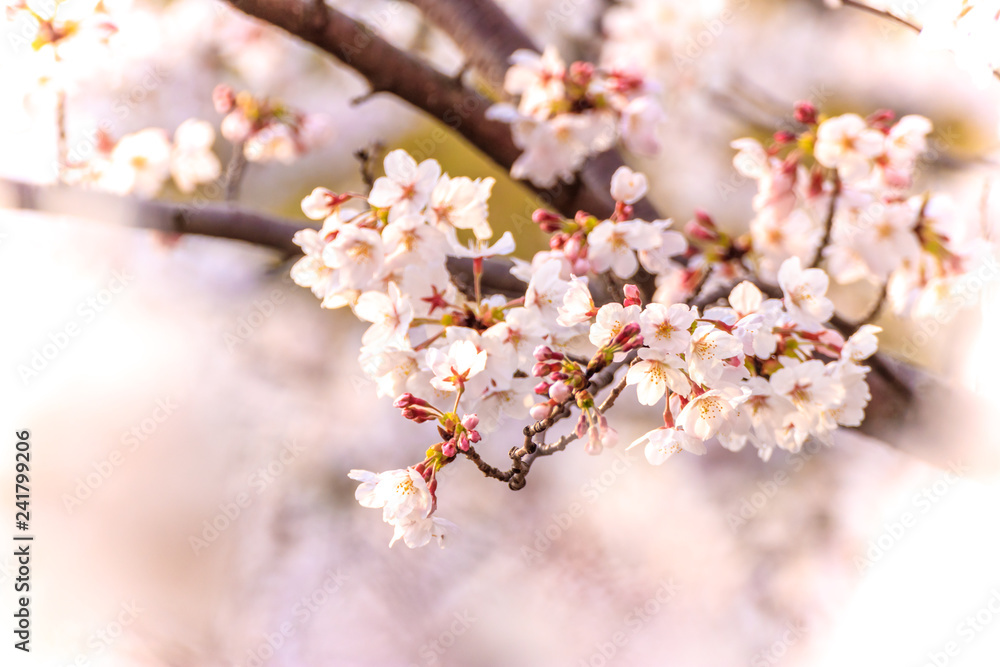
565 114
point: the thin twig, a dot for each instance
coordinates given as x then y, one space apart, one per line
828 223
235 171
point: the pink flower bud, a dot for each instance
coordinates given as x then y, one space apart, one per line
470 421
594 445
548 221
449 449
784 137
805 113
540 411
573 246
581 426
542 388
627 333
223 98
581 72
632 297
560 391
418 414
408 399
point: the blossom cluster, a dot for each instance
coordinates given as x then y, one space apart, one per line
141 163
765 371
839 192
267 129
620 244
565 114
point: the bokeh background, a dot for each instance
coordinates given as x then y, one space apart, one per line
205 388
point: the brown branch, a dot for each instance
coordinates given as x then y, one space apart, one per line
390 70
481 30
903 397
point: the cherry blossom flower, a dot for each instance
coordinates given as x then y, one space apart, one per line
640 120
454 366
390 315
628 186
805 294
847 144
547 290
907 139
420 531
660 258
502 246
537 78
461 203
522 329
357 253
390 369
612 245
553 150
707 352
708 414
862 343
406 186
192 161
139 164
654 373
401 494
409 240
611 319
810 389
664 442
406 504
320 203
578 303
667 328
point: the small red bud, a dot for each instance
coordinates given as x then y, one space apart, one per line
805 113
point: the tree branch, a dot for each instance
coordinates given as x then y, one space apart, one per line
390 70
904 402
